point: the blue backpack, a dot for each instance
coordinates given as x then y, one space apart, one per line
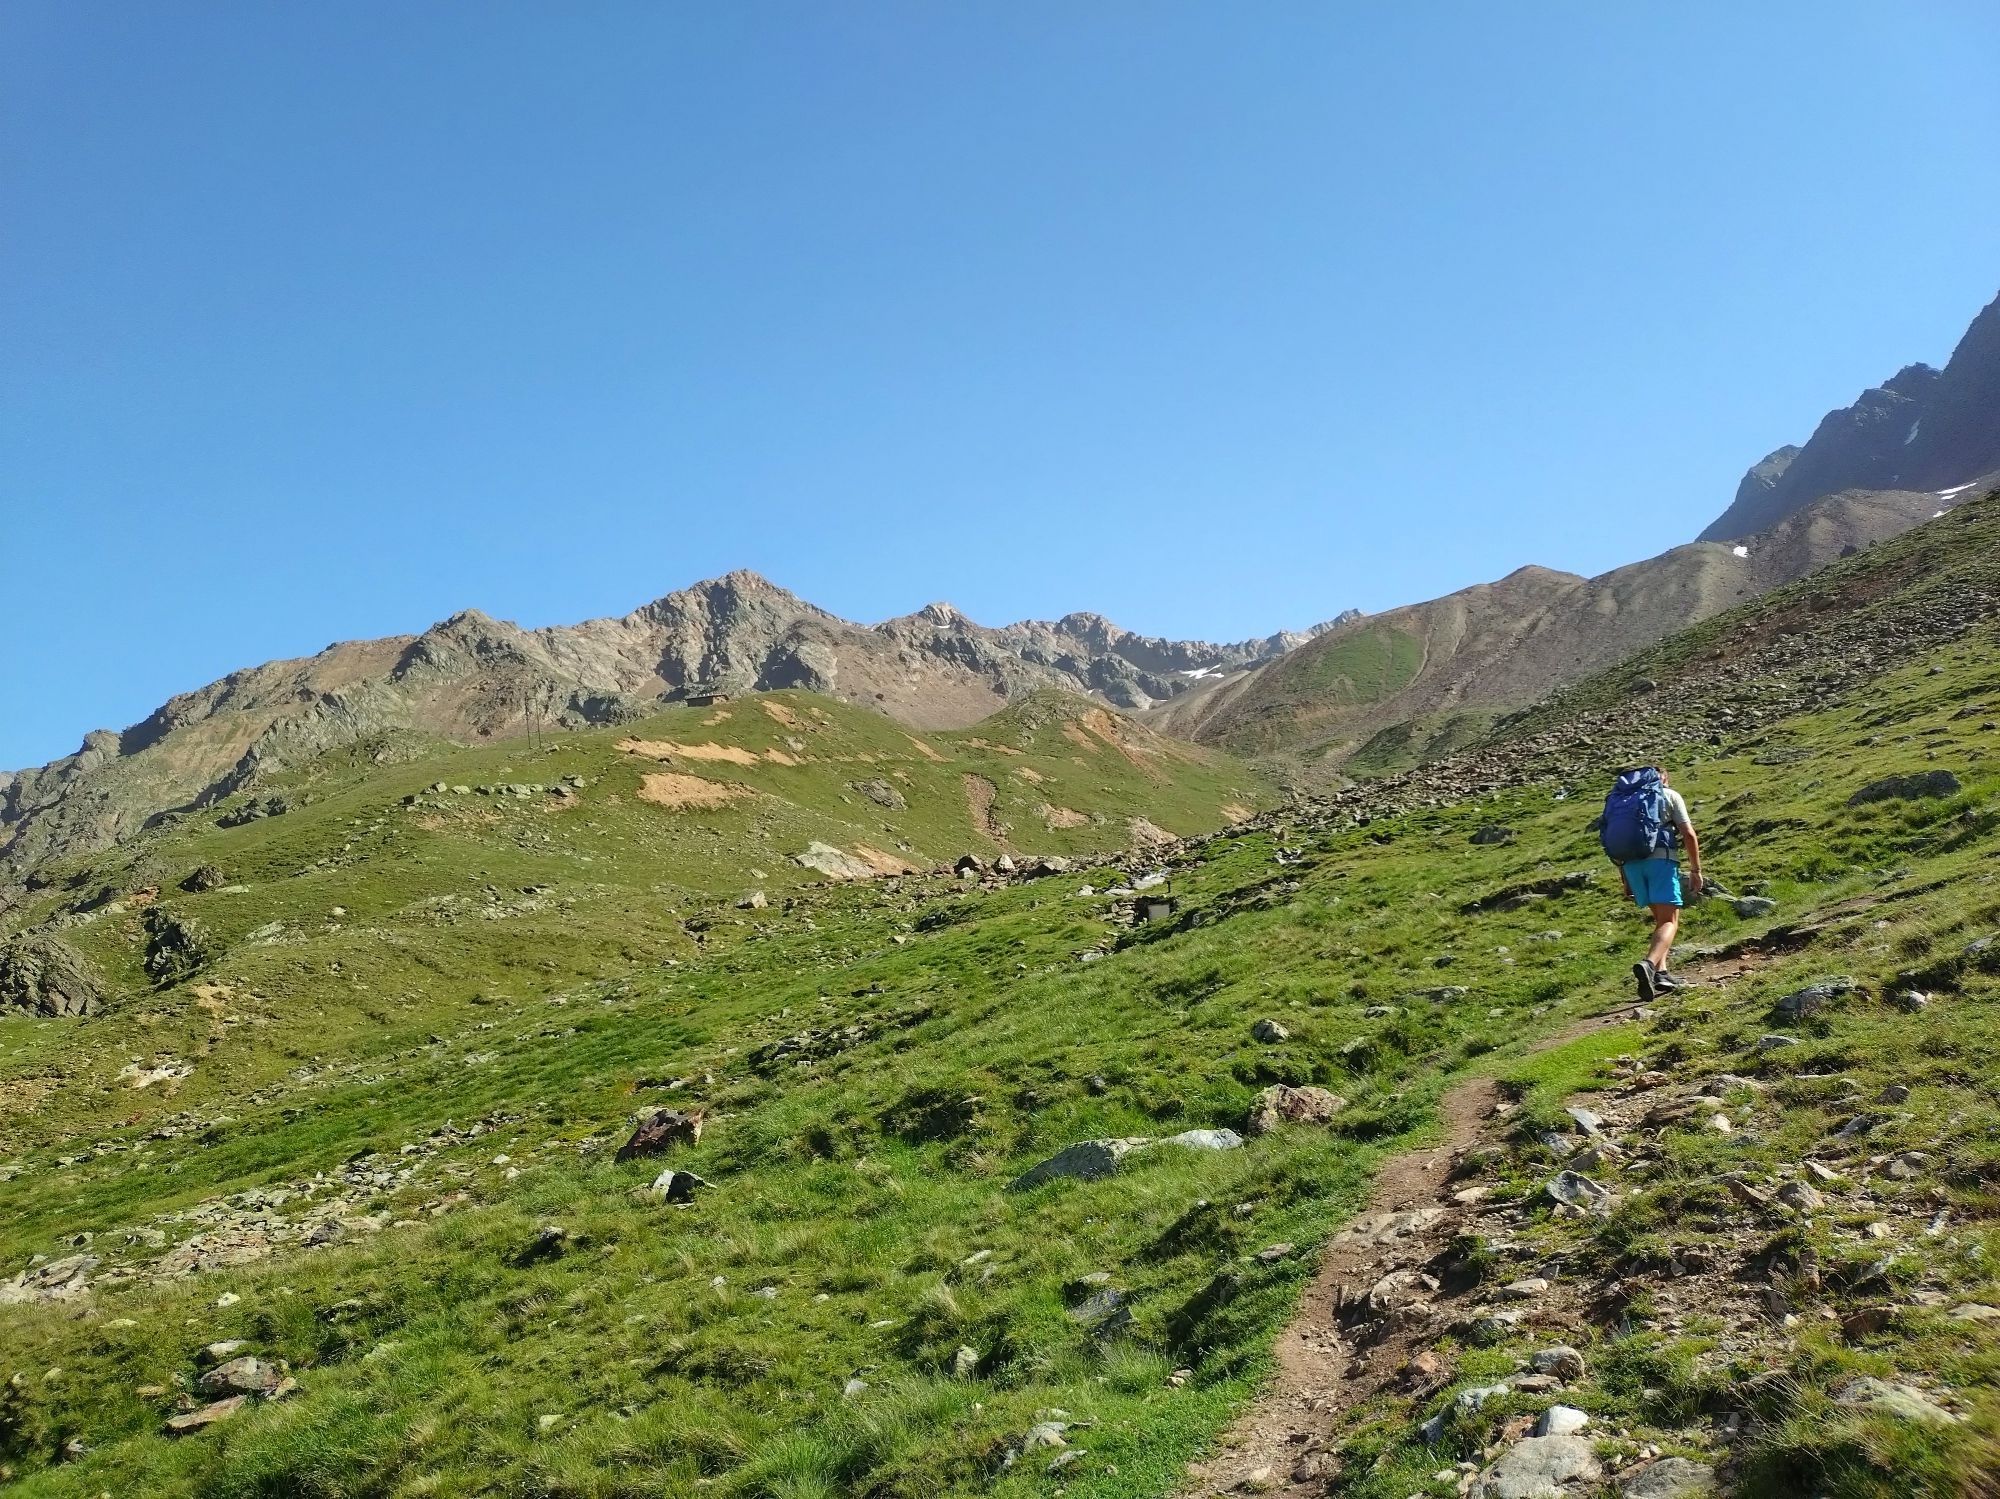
1635 823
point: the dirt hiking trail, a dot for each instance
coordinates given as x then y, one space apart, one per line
1287 1441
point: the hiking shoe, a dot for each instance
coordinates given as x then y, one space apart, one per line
1647 979
1665 982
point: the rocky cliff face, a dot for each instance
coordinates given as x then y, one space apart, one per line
1922 430
472 676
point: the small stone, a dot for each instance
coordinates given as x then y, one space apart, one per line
1750 907
1280 1104
1044 1434
1591 1124
1799 1197
965 1363
1573 1189
1525 1290
207 1416
241 1376
1562 1361
1271 1254
1269 1032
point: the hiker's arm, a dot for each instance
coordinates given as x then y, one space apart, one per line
1694 853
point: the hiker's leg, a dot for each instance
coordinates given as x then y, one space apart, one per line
1666 925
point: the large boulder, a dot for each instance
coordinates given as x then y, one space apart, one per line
177 946
1282 1104
46 976
1539 1468
660 1130
1669 1478
1086 1161
1909 788
835 864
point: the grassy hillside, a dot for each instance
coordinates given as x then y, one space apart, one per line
426 1027
1497 647
411 880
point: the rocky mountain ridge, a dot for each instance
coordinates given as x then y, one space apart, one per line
472 677
1921 429
1426 669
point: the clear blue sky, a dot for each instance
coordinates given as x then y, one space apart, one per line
324 320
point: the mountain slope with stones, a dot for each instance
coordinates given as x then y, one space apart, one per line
1332 1151
1455 662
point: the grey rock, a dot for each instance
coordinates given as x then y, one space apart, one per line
207 1416
965 1363
1591 1124
1561 1421
1799 1197
1575 1190
1538 1468
58 1280
1269 1031
824 858
1749 907
1206 1139
46 976
1563 1361
1814 998
882 793
241 1376
678 1186
1914 787
1669 1478
1085 1161
1904 1402
177 946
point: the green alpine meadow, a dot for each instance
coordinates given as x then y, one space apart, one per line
655 1109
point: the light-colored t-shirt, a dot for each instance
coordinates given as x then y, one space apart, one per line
1677 814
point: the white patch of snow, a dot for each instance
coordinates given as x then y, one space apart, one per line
1740 551
1945 494
1203 671
1936 513
1913 431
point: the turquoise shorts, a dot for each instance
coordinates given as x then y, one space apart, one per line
1654 882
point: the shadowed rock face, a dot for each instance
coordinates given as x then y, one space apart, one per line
1923 430
46 976
472 677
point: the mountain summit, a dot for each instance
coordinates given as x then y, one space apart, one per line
1923 429
472 677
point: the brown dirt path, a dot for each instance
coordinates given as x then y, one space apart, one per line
1284 1443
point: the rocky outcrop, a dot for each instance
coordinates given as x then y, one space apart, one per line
1923 429
46 976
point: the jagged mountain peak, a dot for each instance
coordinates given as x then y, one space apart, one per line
471 676
1923 429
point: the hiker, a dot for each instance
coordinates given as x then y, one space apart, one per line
1644 821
